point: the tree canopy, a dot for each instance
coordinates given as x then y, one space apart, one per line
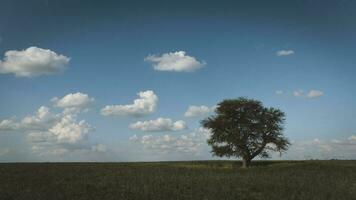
244 128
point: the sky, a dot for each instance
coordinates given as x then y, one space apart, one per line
131 80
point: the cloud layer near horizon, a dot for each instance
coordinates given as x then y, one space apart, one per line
55 133
160 124
51 133
191 143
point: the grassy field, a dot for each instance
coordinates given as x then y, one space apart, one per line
202 180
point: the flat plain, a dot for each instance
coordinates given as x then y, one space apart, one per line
201 180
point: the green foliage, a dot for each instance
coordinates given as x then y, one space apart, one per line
205 180
245 128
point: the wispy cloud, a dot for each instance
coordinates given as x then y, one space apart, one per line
314 94
298 93
311 94
198 111
279 92
285 52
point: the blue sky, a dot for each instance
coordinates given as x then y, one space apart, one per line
294 55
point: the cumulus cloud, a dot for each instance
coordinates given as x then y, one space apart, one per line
67 135
32 62
9 125
67 130
56 133
160 124
175 61
145 104
42 119
312 94
197 111
284 52
74 102
188 143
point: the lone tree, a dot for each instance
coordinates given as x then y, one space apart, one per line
245 128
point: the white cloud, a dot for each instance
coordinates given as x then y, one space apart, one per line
133 138
56 134
284 52
202 133
323 149
175 61
168 143
197 111
32 62
144 105
9 125
192 143
73 102
298 93
67 135
63 134
67 130
160 124
314 94
41 120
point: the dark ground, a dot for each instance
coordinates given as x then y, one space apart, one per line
202 180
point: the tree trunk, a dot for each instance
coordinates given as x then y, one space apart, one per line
246 163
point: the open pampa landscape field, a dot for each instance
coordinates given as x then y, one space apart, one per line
177 100
288 180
